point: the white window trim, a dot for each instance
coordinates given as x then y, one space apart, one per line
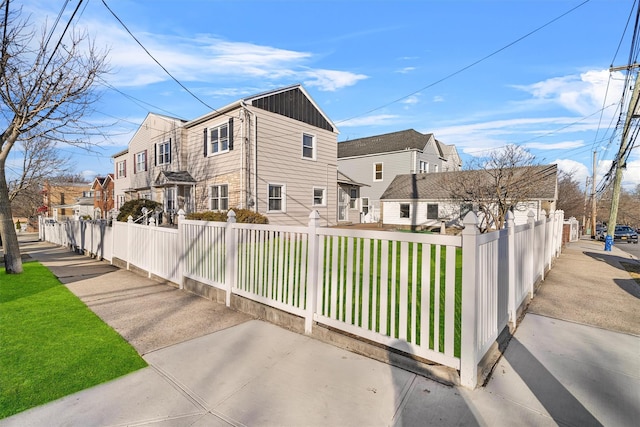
139 169
283 196
324 197
119 170
210 151
374 171
219 198
160 156
314 148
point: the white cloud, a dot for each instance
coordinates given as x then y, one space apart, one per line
563 145
583 94
412 100
438 98
331 80
577 170
406 70
376 120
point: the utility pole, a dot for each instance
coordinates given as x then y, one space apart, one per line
594 209
620 162
584 208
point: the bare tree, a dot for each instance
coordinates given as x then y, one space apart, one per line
502 181
571 199
46 90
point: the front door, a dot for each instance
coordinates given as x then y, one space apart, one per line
343 205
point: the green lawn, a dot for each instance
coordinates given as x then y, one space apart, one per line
51 344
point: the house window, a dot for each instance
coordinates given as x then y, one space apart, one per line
432 211
276 197
365 205
163 153
405 210
308 146
435 168
219 197
353 198
121 169
377 171
424 166
120 201
141 161
219 139
319 196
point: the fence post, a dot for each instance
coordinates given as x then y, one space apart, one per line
469 332
511 267
114 218
312 272
230 256
181 248
531 277
129 224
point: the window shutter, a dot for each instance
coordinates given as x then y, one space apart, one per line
135 164
169 150
125 168
231 133
145 160
205 142
155 154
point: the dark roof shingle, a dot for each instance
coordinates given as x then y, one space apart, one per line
395 141
434 186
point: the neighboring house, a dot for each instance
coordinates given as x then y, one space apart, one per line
59 199
375 161
145 168
423 200
84 206
103 193
274 153
349 210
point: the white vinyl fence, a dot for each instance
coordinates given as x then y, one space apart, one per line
443 298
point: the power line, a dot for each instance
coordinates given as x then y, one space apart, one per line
155 60
455 73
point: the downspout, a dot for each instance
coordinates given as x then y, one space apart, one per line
243 189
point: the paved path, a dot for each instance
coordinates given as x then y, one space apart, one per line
554 372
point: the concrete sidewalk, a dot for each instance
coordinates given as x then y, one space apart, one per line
248 372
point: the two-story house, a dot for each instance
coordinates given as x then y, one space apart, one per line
374 162
103 192
60 199
154 166
274 153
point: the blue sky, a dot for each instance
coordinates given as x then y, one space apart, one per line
375 67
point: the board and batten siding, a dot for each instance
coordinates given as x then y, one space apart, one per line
280 161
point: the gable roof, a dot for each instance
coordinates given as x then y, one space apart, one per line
289 101
433 186
395 141
179 177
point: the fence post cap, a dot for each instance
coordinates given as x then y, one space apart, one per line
532 214
470 223
314 214
152 221
129 218
231 216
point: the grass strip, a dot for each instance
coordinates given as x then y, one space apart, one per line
51 344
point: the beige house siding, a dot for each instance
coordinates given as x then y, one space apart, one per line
280 161
154 129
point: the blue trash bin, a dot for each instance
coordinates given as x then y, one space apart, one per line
608 243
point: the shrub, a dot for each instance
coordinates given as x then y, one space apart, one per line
134 208
244 216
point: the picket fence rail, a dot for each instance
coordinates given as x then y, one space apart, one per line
440 297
